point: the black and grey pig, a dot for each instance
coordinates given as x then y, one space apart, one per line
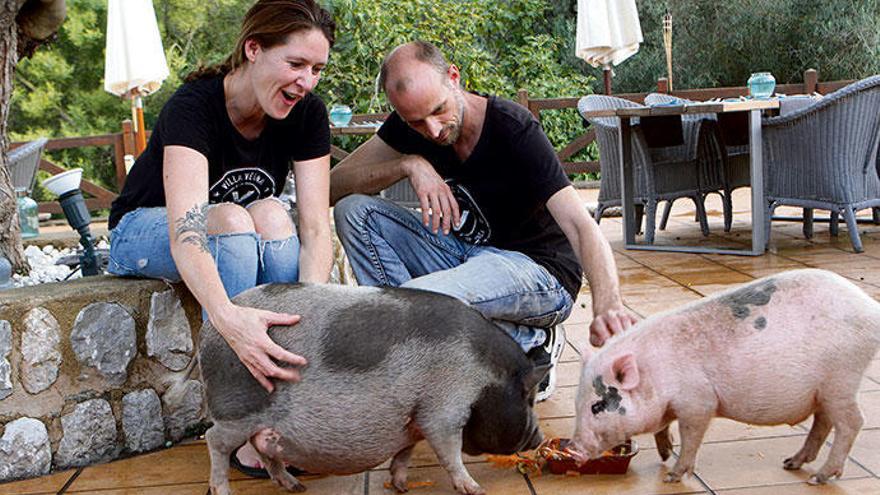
386 368
774 351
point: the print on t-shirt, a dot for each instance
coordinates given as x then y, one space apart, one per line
472 225
242 186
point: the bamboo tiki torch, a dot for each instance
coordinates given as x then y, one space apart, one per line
667 42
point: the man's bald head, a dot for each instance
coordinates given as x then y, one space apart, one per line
424 91
405 61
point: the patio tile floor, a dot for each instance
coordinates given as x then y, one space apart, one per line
735 459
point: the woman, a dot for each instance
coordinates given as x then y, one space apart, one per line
200 204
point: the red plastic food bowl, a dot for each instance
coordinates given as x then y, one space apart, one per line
616 462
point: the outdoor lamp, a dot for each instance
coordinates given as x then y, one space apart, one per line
66 186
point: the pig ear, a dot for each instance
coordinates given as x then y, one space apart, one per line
626 372
534 376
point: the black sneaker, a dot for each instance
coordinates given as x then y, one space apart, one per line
549 352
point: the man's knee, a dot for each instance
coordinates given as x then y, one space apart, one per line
441 282
228 218
351 212
352 204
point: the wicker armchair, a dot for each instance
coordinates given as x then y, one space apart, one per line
722 168
660 174
825 156
24 162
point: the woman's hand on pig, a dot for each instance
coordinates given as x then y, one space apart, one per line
609 322
245 330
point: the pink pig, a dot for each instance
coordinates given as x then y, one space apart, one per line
774 351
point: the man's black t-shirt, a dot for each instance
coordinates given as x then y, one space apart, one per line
503 186
239 170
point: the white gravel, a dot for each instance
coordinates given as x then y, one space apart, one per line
43 267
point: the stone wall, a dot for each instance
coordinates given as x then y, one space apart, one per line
96 369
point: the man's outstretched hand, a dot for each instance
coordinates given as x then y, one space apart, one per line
610 322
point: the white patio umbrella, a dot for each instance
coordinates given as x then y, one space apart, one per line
608 32
135 60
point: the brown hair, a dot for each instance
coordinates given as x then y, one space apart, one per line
269 23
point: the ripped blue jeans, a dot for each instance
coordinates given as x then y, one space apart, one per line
139 247
388 245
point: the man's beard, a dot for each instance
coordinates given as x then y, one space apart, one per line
454 129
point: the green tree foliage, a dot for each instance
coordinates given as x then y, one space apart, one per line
499 45
717 44
58 92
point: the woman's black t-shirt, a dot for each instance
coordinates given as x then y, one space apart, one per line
239 170
503 185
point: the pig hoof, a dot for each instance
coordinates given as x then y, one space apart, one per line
470 488
220 489
295 488
818 479
290 483
821 477
672 478
791 464
399 485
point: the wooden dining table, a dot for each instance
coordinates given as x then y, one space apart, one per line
754 107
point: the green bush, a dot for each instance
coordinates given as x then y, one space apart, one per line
718 44
500 46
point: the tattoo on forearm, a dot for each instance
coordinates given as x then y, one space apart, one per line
193 227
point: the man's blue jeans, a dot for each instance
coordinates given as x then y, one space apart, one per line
139 247
388 245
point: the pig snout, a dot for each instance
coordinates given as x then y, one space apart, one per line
584 445
578 457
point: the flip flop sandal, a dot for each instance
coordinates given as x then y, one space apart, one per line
258 472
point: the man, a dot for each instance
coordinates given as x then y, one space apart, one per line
500 225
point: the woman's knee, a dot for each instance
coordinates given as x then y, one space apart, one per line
271 219
140 247
228 218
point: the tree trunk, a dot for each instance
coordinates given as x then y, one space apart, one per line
10 234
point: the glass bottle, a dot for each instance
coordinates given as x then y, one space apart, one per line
28 214
761 85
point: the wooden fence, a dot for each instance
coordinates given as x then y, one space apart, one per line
123 142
